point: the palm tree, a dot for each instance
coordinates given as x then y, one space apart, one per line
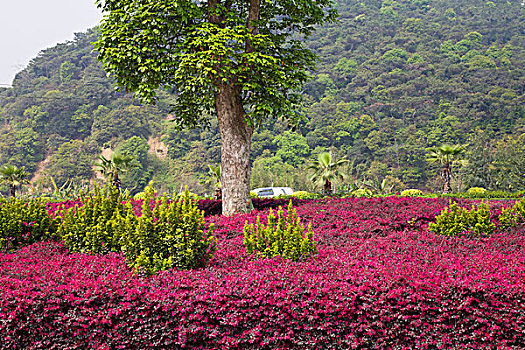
112 167
14 177
326 171
446 156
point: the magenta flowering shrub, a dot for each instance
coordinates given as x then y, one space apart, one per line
381 280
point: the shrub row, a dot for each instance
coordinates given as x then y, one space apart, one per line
157 235
161 237
210 207
478 194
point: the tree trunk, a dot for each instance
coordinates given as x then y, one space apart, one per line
236 141
12 190
327 187
116 181
446 178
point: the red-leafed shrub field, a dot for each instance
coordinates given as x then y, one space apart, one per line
381 280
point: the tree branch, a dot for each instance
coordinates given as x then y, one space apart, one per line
253 18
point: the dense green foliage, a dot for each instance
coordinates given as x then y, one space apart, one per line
23 223
455 221
283 236
511 217
97 226
412 192
394 78
163 236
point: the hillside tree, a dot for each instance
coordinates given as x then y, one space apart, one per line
241 60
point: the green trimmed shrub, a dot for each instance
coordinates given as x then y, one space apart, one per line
96 225
361 192
411 193
486 194
511 217
455 221
476 191
169 235
305 195
282 236
23 224
139 195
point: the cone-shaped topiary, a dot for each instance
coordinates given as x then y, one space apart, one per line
169 235
282 236
513 216
95 226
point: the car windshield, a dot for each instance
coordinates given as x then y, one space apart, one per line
265 192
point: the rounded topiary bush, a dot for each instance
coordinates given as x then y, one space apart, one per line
303 195
476 190
362 192
413 192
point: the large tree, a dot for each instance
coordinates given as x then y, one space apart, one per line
242 60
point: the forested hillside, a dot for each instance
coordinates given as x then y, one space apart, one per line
394 77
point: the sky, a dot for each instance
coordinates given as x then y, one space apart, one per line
29 26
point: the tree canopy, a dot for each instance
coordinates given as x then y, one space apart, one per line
239 60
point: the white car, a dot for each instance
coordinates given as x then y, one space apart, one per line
273 191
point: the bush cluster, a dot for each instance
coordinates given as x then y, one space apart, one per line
165 235
306 195
283 236
476 191
455 221
23 223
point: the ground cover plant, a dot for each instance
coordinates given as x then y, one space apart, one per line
380 280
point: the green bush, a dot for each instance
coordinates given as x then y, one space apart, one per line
169 235
486 195
139 195
455 221
282 236
411 193
24 223
361 192
305 195
165 236
476 190
96 226
513 216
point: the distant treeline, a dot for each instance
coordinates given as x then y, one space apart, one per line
394 78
